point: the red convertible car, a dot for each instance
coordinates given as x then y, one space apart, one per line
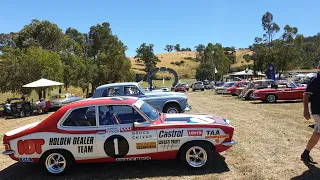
281 91
118 129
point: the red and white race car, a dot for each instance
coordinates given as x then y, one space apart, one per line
117 129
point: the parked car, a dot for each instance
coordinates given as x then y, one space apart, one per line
185 85
164 88
232 90
167 102
247 93
223 89
59 100
198 86
206 84
287 92
118 129
180 88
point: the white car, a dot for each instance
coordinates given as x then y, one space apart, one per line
164 88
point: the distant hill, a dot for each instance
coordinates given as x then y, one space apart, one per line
188 68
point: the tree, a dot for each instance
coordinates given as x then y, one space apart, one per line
42 34
246 57
7 40
169 48
200 51
214 58
177 47
270 27
146 55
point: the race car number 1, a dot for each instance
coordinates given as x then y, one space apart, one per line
116 146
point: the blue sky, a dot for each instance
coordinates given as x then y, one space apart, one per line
160 22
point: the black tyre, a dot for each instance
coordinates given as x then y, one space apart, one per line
56 162
271 98
249 96
202 89
196 155
172 108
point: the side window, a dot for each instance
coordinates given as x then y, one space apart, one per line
81 117
131 90
110 115
110 92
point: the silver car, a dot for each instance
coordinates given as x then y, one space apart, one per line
167 102
198 86
60 100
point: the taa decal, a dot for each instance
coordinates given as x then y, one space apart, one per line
168 144
30 146
195 132
116 146
125 129
134 159
146 145
172 133
141 135
213 132
25 160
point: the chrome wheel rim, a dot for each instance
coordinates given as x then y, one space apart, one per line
251 96
172 110
196 156
55 163
271 98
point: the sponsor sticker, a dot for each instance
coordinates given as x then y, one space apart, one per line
141 135
30 146
134 159
217 136
112 130
169 144
146 145
170 133
213 132
25 159
195 132
125 129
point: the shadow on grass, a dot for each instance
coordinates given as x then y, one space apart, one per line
312 173
120 170
278 102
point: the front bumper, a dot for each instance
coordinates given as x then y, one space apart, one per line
231 143
188 108
8 152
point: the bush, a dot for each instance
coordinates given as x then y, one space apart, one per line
188 58
172 63
242 62
181 62
177 63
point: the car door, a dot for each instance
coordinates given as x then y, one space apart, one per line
117 138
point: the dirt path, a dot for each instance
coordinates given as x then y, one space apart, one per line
270 139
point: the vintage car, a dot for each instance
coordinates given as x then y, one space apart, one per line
118 129
164 88
232 90
198 86
223 89
180 88
59 100
280 91
185 85
167 102
247 93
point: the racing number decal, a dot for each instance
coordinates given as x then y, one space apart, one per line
116 146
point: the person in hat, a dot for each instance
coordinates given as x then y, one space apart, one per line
312 95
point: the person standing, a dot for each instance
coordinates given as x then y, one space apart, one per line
312 94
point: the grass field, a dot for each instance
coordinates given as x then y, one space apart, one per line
270 139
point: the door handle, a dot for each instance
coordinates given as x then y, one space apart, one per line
101 132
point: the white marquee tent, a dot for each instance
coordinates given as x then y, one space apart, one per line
43 83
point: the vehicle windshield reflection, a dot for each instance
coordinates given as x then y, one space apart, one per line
149 111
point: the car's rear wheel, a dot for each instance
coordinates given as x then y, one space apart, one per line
271 98
172 108
196 155
202 89
56 162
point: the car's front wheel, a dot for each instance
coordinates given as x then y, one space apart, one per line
56 162
196 155
171 108
271 98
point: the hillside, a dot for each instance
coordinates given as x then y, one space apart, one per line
188 69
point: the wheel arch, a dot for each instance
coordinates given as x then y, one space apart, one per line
171 102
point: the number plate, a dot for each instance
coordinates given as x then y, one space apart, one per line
25 159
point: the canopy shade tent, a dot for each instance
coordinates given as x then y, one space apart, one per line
246 73
43 83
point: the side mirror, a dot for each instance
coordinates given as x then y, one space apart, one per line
136 124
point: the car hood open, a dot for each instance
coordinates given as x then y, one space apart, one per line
195 119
